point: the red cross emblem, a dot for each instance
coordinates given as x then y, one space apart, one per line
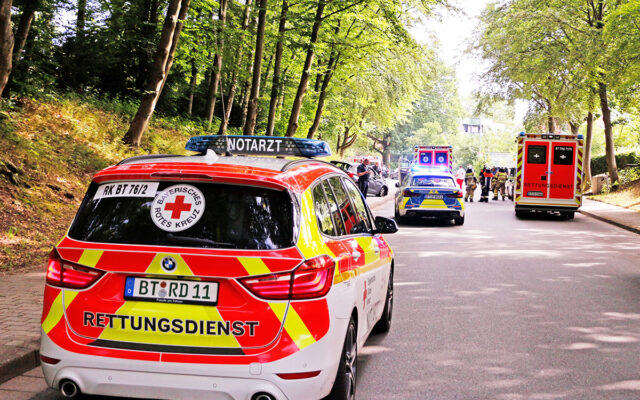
177 207
364 295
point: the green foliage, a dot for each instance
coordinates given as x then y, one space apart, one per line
599 164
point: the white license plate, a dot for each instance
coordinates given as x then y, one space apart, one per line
434 197
171 291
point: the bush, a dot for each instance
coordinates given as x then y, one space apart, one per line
599 164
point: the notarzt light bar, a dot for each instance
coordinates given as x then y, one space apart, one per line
259 145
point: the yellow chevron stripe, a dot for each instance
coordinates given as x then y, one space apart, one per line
90 258
254 265
294 325
57 311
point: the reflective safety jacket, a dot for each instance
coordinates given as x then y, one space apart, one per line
470 178
501 177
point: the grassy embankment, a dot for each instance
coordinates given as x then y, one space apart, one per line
49 151
627 196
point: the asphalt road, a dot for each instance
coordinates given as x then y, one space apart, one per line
502 308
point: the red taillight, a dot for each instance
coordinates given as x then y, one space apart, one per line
272 287
68 275
299 375
49 360
312 279
410 193
455 195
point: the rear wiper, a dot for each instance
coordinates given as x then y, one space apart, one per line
191 240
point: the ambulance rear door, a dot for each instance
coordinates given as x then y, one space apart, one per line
562 177
534 177
442 159
425 158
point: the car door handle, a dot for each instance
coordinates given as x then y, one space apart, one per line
356 255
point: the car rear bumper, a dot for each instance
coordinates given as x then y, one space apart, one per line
430 213
549 208
112 376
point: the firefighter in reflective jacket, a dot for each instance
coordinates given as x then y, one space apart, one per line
485 182
472 183
500 181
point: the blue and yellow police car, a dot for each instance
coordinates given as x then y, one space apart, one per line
429 194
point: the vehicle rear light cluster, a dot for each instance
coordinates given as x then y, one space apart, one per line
311 279
69 275
410 193
49 360
299 375
455 195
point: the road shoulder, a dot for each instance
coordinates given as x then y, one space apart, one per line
621 217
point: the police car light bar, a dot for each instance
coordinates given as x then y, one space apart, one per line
259 145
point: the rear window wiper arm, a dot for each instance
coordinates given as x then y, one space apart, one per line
192 240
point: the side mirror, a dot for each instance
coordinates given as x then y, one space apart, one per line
397 184
385 225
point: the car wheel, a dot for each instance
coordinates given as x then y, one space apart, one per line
521 214
459 220
568 215
384 324
344 387
383 191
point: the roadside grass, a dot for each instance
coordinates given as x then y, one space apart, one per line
627 196
49 150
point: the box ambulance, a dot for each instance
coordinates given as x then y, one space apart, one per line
549 174
435 158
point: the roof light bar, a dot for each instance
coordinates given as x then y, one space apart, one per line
259 145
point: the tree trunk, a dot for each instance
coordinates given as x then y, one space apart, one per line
265 77
306 72
217 61
275 85
81 17
24 25
575 129
163 60
346 141
252 110
608 133
6 43
331 67
586 159
192 86
551 122
245 104
149 20
233 87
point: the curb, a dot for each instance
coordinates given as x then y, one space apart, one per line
610 221
19 364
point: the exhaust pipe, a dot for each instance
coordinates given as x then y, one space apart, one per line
69 389
262 396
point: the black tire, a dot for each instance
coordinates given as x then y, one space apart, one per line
521 214
384 324
383 191
344 387
568 215
458 221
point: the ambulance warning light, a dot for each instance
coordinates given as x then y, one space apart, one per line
259 146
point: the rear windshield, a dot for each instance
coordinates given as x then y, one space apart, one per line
186 214
433 181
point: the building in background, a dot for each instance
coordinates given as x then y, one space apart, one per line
480 126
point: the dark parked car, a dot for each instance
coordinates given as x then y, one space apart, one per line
377 184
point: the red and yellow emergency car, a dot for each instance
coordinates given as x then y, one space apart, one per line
217 276
549 174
